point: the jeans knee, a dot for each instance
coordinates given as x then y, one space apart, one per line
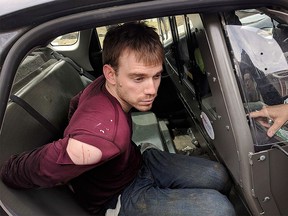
220 205
223 178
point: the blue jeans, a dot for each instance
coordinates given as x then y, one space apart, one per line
172 184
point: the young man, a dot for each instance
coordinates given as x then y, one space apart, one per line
97 157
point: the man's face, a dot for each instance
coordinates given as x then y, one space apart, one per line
136 84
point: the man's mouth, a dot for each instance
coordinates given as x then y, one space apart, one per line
147 102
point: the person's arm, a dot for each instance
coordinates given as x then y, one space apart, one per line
50 165
277 113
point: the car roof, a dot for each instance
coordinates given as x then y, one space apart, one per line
29 12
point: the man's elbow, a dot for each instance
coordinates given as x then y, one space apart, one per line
82 153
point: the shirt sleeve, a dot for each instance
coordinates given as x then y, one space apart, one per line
44 167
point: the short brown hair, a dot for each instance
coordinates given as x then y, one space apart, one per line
136 37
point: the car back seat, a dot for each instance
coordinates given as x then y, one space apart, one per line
49 92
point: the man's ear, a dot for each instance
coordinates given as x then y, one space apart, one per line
109 74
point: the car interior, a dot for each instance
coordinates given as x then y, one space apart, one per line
212 79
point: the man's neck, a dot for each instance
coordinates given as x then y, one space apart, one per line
112 91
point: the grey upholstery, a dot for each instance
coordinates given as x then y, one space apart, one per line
148 129
49 92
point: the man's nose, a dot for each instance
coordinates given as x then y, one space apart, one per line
150 87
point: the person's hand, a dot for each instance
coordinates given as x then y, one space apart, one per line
277 113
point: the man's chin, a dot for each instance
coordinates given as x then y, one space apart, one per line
143 108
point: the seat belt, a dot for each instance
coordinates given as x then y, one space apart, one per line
80 70
36 115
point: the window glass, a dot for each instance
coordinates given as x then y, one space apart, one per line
259 46
199 69
199 72
183 48
191 59
160 24
66 40
102 32
164 29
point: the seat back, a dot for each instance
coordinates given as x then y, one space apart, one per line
48 90
49 93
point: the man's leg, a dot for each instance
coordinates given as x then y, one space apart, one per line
182 171
145 198
174 202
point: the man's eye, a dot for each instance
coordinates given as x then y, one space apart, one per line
158 76
138 79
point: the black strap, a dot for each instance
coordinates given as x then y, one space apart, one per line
35 114
80 70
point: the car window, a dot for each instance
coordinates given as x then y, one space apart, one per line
259 49
101 31
164 29
190 65
66 40
198 67
160 24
